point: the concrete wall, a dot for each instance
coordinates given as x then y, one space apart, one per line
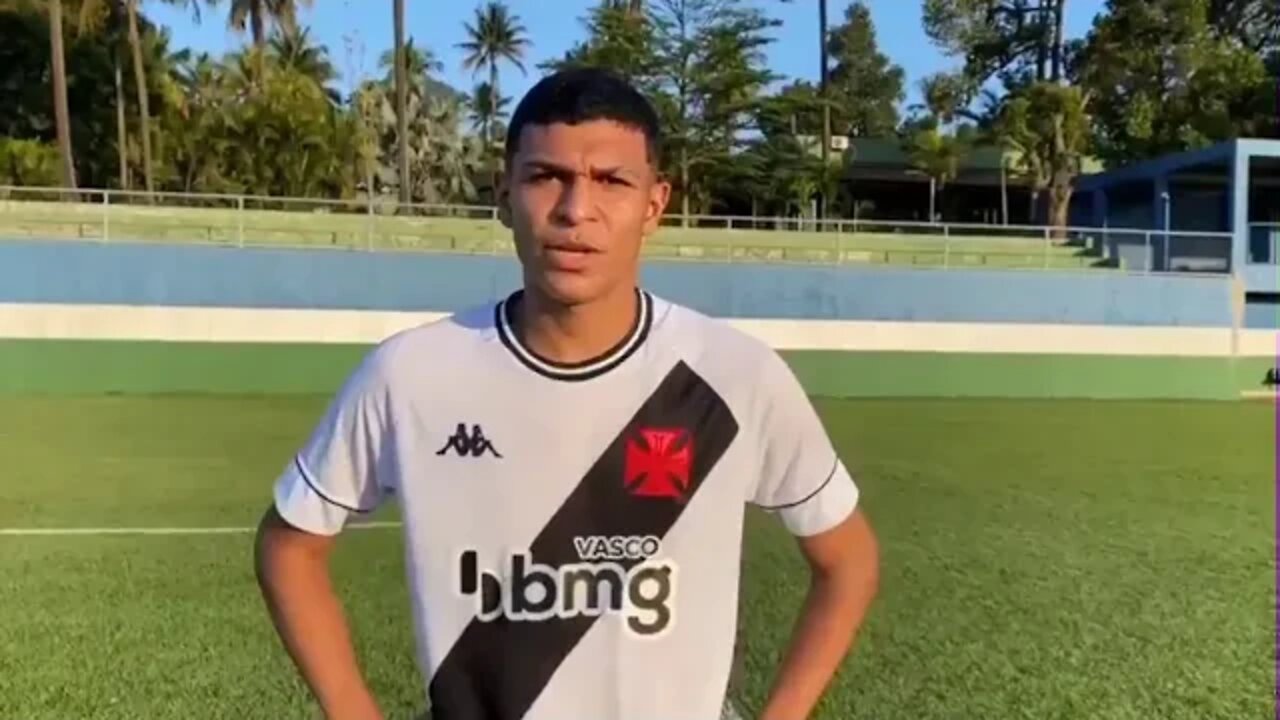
89 273
258 325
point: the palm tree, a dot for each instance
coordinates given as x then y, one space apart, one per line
94 16
938 156
497 35
294 51
487 107
62 115
419 64
402 102
257 14
140 80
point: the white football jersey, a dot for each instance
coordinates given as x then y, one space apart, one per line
573 532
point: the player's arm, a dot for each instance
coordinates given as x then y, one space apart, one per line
337 474
292 566
844 575
807 486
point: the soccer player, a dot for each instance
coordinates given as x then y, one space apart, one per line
572 463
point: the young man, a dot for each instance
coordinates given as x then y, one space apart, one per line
572 464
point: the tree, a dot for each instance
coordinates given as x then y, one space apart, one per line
866 86
140 81
1017 42
710 74
292 49
496 36
1256 23
67 164
201 143
419 63
824 81
257 15
442 160
488 109
402 110
1163 80
938 155
28 162
94 16
28 110
1047 127
620 38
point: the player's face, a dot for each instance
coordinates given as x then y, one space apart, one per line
580 200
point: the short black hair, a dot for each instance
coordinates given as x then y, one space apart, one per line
581 95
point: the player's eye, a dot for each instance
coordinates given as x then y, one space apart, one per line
615 180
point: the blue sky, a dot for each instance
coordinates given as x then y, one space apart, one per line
358 31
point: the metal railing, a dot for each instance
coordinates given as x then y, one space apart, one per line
382 224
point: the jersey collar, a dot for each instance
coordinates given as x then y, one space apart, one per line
587 369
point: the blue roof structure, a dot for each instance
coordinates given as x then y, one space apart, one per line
1238 166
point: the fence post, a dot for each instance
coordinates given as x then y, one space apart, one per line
240 220
106 216
839 242
368 221
494 224
1048 242
1147 259
946 247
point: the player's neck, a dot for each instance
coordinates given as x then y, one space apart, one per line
577 333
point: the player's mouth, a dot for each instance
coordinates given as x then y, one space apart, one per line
568 255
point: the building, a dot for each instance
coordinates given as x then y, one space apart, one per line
1215 210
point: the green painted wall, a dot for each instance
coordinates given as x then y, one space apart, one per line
95 367
1026 376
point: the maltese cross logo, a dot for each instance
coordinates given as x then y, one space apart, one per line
658 463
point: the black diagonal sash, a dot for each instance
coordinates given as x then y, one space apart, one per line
496 670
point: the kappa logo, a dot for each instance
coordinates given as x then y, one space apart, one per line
473 445
659 463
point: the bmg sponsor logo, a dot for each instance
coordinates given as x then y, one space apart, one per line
614 574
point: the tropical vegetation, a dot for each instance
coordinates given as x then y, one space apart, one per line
97 96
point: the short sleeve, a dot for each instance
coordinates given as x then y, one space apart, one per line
340 470
802 479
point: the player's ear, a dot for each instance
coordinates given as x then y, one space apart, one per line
659 196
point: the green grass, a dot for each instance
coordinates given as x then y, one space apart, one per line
350 226
1041 560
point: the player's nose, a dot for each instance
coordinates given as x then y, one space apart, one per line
573 206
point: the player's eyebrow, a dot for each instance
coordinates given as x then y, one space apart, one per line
549 166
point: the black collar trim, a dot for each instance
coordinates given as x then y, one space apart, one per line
587 369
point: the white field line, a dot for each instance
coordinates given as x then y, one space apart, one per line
66 531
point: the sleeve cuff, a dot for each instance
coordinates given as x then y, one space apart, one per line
826 508
301 506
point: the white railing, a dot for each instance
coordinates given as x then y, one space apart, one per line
382 224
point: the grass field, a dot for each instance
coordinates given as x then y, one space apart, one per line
708 239
1062 559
